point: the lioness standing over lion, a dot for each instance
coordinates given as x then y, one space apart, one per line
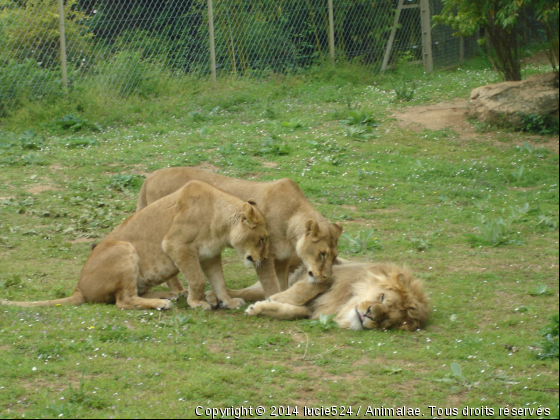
185 231
295 226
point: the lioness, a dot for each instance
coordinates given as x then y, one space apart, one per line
360 295
295 226
185 231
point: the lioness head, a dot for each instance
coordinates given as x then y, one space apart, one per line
394 302
318 249
250 235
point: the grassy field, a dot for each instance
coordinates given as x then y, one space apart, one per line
475 218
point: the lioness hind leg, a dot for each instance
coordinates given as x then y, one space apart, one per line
278 310
160 295
111 274
137 302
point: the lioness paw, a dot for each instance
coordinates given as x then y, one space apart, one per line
164 304
210 297
232 304
200 304
241 302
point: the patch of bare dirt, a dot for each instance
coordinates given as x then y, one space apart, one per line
56 167
271 165
82 240
450 115
37 189
537 59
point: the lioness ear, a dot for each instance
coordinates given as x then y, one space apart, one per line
249 215
252 202
336 229
311 228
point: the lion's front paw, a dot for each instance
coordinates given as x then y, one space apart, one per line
254 310
210 297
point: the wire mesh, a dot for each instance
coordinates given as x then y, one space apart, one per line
128 46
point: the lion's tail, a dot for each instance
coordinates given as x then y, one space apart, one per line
76 299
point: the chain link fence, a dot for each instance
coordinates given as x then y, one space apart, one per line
127 46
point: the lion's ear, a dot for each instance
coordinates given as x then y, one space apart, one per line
252 202
311 228
249 215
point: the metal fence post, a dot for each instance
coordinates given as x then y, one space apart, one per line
62 43
212 46
389 47
331 31
425 20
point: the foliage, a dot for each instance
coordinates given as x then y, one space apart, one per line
37 41
540 124
272 145
325 322
499 18
404 89
123 182
362 241
75 123
549 346
497 231
422 242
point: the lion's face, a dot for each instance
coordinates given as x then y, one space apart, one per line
381 305
250 235
318 250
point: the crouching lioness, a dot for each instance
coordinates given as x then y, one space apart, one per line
184 231
360 296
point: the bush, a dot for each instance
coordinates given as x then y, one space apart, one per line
25 81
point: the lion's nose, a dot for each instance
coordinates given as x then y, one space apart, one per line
311 274
250 258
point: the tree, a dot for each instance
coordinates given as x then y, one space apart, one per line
500 19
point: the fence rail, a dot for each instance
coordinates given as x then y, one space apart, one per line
125 45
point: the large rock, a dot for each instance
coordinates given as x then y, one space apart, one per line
504 103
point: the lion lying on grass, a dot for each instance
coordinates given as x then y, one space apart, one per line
184 231
360 295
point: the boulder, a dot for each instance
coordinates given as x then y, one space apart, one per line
505 103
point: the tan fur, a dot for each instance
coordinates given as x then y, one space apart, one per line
185 231
296 227
360 295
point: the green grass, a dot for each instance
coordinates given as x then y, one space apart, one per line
70 171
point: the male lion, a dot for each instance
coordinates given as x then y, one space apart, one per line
185 231
360 295
295 226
